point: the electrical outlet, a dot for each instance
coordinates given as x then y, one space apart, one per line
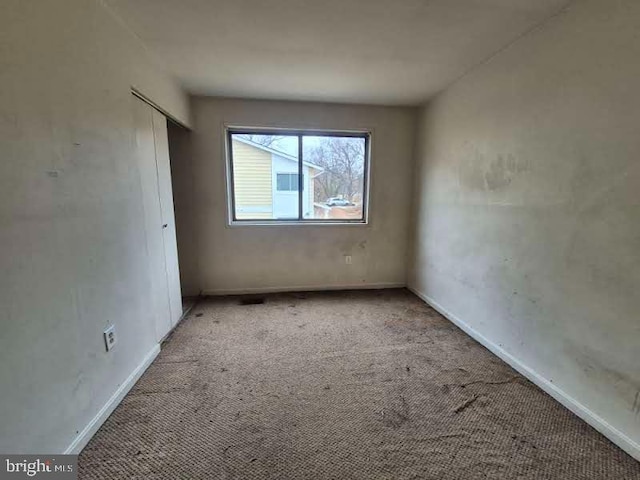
347 259
110 338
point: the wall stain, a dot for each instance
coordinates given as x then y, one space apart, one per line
477 172
591 363
502 171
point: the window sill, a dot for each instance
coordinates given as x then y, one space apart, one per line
292 223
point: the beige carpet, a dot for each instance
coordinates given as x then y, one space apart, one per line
342 385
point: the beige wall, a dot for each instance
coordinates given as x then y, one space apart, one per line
72 227
242 258
528 207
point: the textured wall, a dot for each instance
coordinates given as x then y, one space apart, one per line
242 258
72 227
528 205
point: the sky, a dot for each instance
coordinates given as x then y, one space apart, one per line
289 144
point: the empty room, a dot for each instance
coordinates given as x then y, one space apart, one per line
298 239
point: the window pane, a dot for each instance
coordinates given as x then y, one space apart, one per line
336 168
283 182
287 182
293 182
258 161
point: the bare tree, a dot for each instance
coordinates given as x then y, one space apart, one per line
343 161
264 140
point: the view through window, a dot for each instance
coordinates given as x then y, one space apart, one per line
298 176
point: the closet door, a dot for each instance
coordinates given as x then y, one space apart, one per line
168 219
146 159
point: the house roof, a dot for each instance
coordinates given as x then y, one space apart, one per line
274 151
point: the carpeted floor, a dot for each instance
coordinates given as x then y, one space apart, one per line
341 385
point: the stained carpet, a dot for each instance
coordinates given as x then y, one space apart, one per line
340 385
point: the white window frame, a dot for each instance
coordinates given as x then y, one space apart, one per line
231 210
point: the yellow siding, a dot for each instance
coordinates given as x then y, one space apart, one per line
252 179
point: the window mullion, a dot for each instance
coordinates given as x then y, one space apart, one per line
300 179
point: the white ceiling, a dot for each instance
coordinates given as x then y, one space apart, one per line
393 52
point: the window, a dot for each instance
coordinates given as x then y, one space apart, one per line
277 175
287 182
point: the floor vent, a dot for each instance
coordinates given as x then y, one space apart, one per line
251 301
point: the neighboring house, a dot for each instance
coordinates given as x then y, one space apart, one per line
266 182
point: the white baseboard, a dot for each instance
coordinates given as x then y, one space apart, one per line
600 424
300 288
96 422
